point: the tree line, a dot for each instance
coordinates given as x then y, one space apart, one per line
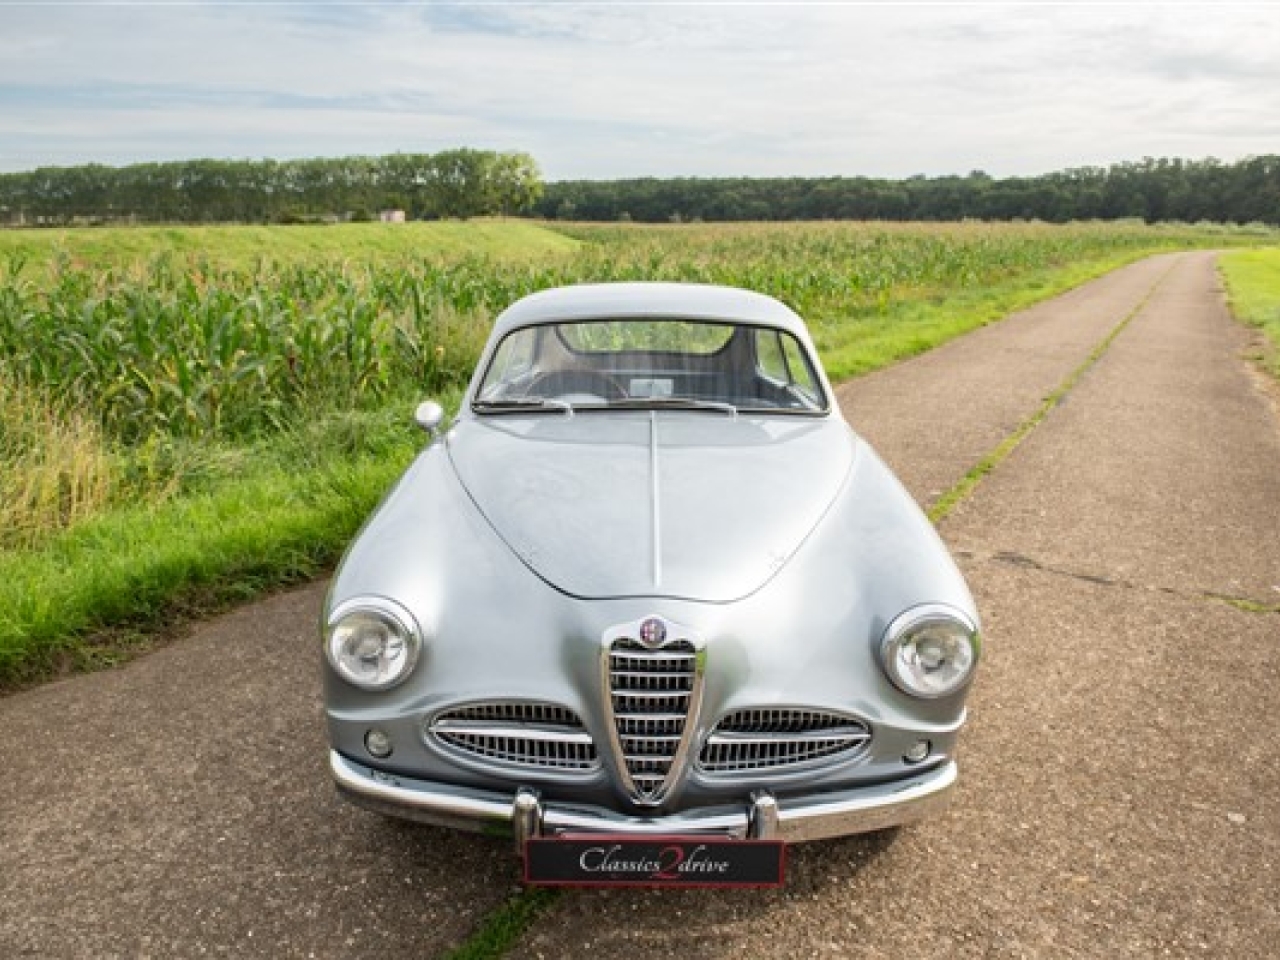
453 183
1152 190
466 183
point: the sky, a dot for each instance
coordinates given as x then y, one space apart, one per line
607 90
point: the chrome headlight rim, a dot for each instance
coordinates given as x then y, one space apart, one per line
392 614
907 626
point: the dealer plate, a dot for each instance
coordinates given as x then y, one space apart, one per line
598 860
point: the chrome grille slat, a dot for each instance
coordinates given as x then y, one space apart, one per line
541 736
650 695
517 712
818 736
653 677
641 654
549 734
778 737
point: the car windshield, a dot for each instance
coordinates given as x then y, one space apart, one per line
610 364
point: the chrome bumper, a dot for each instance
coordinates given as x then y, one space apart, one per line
524 815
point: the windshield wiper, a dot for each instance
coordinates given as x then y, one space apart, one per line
523 405
672 403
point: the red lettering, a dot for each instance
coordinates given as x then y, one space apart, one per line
668 867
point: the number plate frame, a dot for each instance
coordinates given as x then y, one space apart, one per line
611 860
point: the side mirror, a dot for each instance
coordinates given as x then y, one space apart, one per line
429 416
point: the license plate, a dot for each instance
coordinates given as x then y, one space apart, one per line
597 860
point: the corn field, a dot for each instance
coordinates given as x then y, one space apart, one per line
191 347
131 356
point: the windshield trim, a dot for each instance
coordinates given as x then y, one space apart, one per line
823 403
640 405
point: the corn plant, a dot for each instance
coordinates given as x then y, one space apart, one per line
194 347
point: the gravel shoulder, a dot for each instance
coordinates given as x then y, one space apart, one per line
1117 792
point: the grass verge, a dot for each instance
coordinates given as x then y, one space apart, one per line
505 925
93 594
1253 287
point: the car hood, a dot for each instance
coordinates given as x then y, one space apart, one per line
687 505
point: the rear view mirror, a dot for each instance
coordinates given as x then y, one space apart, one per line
429 416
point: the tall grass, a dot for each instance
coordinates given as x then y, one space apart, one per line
275 522
1253 284
195 348
54 467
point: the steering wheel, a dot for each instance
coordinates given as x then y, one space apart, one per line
560 382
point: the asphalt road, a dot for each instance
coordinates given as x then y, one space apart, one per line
1119 792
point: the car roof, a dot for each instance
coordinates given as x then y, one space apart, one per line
649 300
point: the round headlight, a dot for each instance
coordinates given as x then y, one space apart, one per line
373 644
930 651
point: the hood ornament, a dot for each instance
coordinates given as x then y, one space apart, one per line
653 633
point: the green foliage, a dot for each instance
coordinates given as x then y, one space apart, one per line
275 522
1253 283
54 467
190 347
454 183
469 183
203 351
29 254
502 928
1161 190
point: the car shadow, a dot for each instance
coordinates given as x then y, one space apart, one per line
809 865
700 923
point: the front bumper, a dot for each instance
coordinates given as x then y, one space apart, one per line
524 815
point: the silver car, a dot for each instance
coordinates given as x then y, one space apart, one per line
649 590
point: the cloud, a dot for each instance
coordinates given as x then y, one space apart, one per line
604 90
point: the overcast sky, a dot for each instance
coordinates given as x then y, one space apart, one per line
615 89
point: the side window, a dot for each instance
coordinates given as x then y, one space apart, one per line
511 362
802 379
769 358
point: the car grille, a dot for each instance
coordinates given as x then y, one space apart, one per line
651 692
767 739
543 736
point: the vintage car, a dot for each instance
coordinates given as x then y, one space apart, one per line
648 585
